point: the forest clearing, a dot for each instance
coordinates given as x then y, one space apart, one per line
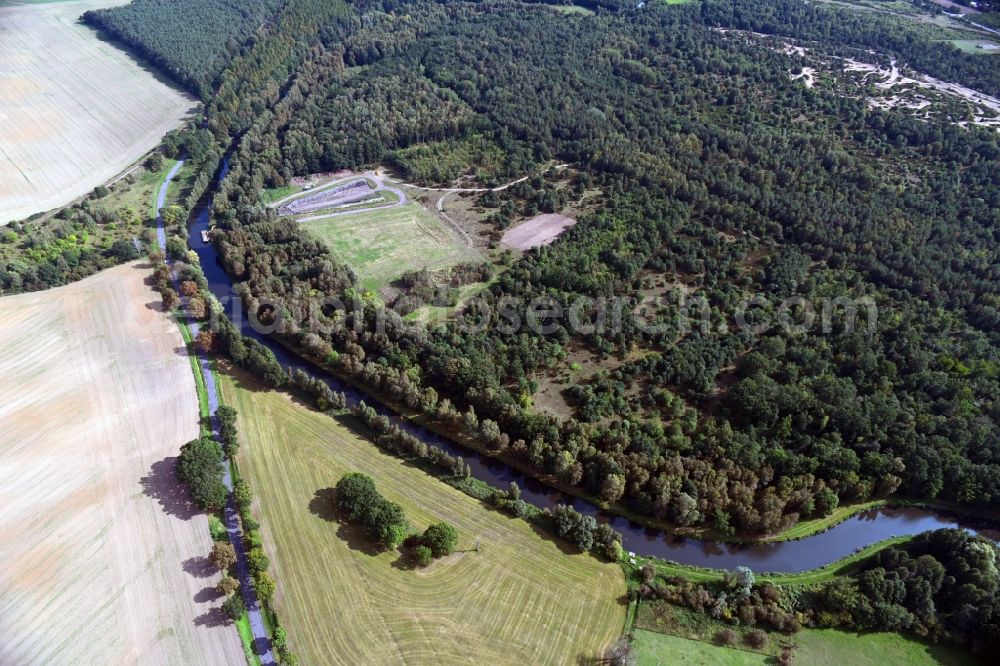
103 556
539 230
76 110
382 244
508 595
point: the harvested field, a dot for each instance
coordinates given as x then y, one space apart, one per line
337 196
382 244
539 230
102 554
76 110
519 599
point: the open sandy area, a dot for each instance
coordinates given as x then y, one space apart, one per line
102 555
74 110
539 230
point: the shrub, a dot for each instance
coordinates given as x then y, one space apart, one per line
257 561
217 528
253 539
423 555
727 637
242 494
441 538
223 555
264 586
756 639
234 607
227 585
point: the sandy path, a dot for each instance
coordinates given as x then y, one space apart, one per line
102 556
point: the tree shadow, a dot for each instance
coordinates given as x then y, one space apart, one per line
322 504
213 617
199 566
240 377
207 594
565 547
260 646
162 485
357 540
405 562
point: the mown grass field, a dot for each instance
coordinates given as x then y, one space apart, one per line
977 46
383 244
814 647
829 647
655 649
521 598
76 110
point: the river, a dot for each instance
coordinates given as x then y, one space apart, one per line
782 556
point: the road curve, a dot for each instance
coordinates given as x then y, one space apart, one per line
261 641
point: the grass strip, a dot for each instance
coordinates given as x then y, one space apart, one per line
246 638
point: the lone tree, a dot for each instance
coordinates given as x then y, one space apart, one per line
441 538
223 555
200 467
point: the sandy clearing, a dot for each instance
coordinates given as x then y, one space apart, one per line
74 110
539 230
102 558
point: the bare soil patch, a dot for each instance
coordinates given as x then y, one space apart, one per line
539 230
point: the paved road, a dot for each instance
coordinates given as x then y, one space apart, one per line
261 641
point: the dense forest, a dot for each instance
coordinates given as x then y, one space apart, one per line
720 176
191 40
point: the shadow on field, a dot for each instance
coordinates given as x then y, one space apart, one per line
404 562
207 594
199 567
162 485
213 617
565 547
322 504
358 540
